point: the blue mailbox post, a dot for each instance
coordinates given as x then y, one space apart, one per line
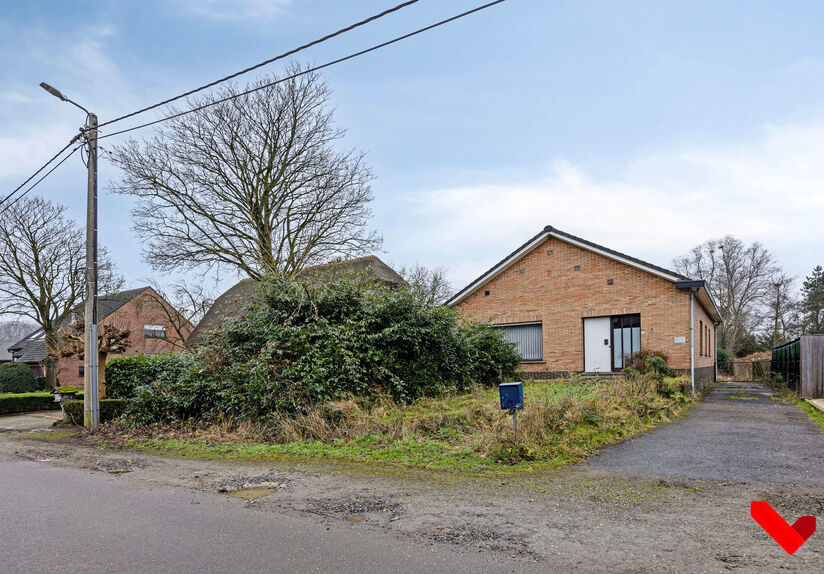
512 399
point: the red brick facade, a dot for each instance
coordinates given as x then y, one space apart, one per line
559 284
144 309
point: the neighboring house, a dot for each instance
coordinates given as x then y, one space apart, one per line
153 322
573 306
234 300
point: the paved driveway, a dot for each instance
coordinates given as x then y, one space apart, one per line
753 439
29 421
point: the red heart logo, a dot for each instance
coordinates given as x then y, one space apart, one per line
790 538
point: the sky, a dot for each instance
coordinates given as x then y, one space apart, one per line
646 126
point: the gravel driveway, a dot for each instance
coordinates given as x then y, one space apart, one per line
738 433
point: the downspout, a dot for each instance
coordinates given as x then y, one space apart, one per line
692 343
715 350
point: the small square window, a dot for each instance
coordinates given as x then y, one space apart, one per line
610 281
521 271
577 268
549 251
154 331
81 370
486 293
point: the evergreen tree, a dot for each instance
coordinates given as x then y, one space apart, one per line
812 301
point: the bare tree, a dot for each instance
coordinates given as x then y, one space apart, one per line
255 182
181 306
812 301
783 310
739 279
13 331
111 338
42 257
431 282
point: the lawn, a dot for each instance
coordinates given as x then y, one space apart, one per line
563 422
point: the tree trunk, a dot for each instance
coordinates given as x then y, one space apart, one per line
50 362
101 375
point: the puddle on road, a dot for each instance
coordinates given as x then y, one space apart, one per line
252 493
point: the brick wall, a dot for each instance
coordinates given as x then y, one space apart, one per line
544 286
142 310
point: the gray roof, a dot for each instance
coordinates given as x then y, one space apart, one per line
31 349
233 302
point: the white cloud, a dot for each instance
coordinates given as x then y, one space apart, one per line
769 189
234 10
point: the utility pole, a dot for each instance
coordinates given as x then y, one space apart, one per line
91 416
91 405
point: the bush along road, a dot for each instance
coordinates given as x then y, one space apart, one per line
615 513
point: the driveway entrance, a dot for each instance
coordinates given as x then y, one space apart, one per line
737 433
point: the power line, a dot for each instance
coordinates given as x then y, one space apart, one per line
45 165
307 71
265 62
45 175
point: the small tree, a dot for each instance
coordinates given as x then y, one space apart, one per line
42 259
111 338
432 283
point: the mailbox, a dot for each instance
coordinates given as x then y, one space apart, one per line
512 396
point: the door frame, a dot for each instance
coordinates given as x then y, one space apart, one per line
612 338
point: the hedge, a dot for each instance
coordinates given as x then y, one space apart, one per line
27 402
11 403
109 409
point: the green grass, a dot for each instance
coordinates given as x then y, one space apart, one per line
564 421
814 413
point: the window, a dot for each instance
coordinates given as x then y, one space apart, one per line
703 335
81 370
154 331
626 338
528 339
486 293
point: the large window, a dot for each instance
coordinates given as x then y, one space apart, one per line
626 338
528 339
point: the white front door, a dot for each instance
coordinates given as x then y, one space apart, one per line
597 355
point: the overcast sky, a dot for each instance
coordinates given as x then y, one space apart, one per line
646 126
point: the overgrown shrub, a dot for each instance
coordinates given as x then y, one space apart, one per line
17 378
109 409
640 362
721 355
125 374
301 344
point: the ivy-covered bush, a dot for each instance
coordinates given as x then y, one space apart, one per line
125 374
17 378
302 344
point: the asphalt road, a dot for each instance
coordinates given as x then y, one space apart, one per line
67 520
753 440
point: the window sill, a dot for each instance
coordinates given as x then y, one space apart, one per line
534 362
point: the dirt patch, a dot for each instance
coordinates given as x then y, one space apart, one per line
270 479
356 509
483 537
116 465
43 454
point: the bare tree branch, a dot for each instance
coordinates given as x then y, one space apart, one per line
432 283
42 255
739 277
256 183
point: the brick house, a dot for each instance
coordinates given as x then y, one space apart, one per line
573 306
156 328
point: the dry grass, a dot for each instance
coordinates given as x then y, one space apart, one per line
563 421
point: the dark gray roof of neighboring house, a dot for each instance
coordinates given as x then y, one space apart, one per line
550 231
31 349
235 299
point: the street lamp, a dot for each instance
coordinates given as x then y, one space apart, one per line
91 416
